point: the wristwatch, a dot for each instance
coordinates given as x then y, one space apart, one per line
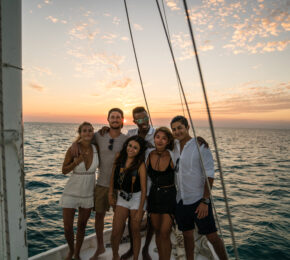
205 201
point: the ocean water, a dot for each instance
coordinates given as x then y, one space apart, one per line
256 166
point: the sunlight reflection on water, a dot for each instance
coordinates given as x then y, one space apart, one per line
256 167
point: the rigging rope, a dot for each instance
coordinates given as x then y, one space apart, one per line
212 129
139 73
189 115
168 33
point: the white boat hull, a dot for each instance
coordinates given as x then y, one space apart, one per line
204 250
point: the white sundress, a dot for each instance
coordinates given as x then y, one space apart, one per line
79 190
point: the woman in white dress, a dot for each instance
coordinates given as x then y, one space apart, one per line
79 190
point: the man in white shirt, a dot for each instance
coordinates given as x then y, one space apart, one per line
193 197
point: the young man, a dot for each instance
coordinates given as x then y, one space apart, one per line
193 197
109 144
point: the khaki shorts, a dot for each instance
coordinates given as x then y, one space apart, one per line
101 199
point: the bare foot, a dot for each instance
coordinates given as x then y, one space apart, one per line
69 256
145 254
98 252
127 255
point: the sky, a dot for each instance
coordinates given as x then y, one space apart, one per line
78 61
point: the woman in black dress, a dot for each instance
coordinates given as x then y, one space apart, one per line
162 195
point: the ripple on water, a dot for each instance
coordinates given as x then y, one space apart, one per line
257 182
36 185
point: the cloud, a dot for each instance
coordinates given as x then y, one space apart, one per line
255 67
253 98
116 20
109 37
52 19
36 87
137 27
183 43
124 38
42 71
225 21
121 83
84 31
172 5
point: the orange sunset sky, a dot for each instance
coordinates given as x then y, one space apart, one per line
78 61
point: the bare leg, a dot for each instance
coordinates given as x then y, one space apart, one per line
189 244
119 221
156 224
149 235
129 253
99 227
135 227
165 230
84 215
68 220
218 245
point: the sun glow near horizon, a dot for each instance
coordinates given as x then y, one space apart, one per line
78 61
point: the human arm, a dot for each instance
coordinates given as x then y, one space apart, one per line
111 198
70 162
143 179
104 130
202 209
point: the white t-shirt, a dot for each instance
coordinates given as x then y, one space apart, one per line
189 177
149 137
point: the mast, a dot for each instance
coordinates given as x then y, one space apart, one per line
13 242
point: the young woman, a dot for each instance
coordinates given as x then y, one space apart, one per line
79 190
129 178
162 195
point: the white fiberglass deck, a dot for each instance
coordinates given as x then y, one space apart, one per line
89 247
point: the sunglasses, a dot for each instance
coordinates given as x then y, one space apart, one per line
142 120
177 166
111 142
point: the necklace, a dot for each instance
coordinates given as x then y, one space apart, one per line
159 154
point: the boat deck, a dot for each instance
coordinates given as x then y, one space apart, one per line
204 250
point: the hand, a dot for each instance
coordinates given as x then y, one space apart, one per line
202 210
75 150
104 130
138 216
78 160
112 201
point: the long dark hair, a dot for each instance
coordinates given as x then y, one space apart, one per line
138 159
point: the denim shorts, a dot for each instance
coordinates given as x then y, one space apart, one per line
186 217
133 203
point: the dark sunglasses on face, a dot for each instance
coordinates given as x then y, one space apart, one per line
111 143
142 120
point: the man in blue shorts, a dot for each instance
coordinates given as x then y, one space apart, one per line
193 197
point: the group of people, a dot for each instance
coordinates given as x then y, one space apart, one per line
153 170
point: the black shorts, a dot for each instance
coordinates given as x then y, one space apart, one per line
162 200
186 217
